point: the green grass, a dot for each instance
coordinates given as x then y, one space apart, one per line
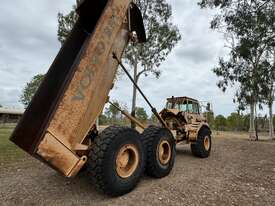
8 151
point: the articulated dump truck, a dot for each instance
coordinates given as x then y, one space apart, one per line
59 126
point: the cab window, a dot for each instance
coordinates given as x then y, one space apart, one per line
190 107
196 108
183 107
169 105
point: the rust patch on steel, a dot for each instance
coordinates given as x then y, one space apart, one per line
56 154
78 166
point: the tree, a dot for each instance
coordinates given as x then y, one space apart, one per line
66 24
112 113
268 84
210 117
1 105
141 114
145 59
154 120
235 122
162 37
30 89
249 29
103 119
220 123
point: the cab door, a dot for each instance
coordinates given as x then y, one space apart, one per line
193 112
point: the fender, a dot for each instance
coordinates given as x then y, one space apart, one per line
194 131
203 125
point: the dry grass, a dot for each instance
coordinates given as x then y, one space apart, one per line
239 135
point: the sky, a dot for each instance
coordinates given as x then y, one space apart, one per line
28 45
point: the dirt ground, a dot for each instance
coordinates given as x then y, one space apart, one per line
239 172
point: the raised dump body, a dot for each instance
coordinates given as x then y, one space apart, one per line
73 94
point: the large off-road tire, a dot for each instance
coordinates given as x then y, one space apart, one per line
160 148
116 161
202 147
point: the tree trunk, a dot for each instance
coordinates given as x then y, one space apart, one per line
252 132
271 128
256 124
134 98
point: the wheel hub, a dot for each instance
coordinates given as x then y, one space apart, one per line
127 161
164 152
206 143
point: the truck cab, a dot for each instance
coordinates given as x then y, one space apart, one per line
183 115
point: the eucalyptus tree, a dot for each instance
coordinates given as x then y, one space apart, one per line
30 89
162 37
268 85
248 26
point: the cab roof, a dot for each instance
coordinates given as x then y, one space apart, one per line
181 99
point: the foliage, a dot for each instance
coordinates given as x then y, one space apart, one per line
153 120
162 37
236 122
66 24
1 105
239 122
210 118
112 112
220 123
103 119
249 28
30 89
141 114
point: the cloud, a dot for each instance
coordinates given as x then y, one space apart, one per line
28 45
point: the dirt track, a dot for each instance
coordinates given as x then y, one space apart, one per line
238 172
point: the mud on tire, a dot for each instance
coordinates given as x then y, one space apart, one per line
108 174
153 137
202 147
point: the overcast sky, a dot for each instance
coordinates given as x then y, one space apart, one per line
28 45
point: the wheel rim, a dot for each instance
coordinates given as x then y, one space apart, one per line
164 152
206 143
127 161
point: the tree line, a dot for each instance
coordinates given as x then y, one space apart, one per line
238 122
249 31
112 116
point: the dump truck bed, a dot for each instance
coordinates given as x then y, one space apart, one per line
76 87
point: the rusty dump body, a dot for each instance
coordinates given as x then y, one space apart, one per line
55 126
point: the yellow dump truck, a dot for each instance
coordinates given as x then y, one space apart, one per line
59 128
